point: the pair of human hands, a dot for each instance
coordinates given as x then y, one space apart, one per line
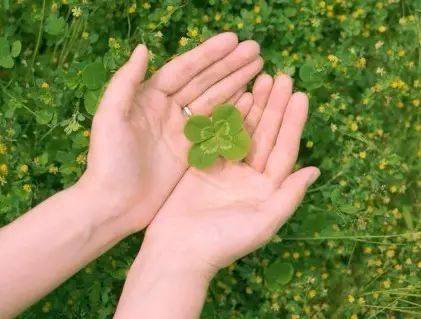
138 154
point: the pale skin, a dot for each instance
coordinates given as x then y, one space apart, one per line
137 169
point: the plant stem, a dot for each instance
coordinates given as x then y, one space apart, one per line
39 35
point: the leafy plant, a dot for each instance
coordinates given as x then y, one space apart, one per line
8 52
221 135
354 242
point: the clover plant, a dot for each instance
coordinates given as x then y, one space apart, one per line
222 134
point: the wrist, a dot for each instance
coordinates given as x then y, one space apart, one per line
173 259
102 212
117 204
158 277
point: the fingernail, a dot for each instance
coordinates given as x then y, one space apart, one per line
313 177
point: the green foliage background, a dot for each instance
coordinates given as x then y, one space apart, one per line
351 250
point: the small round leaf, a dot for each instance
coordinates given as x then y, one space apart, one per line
227 113
16 48
204 154
93 76
198 128
237 148
278 274
90 100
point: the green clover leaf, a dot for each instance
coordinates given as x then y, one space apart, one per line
221 135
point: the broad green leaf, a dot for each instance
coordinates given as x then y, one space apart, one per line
55 25
4 47
204 154
6 62
91 100
237 148
44 116
309 74
93 76
198 128
16 48
278 274
227 113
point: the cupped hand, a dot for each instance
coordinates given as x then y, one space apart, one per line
138 150
218 215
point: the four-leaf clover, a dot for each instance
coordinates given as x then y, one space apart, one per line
222 134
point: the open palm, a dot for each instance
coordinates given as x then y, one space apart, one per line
220 214
138 149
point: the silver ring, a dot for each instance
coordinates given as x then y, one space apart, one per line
186 111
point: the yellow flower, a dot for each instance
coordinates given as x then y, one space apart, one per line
354 126
398 84
382 164
361 63
23 168
240 25
309 144
259 20
81 159
132 8
351 298
295 255
368 250
85 35
4 169
183 41
256 8
77 12
3 148
378 44
218 17
393 189
382 29
113 43
194 32
27 188
342 18
312 293
146 5
53 169
332 58
46 307
45 85
386 283
354 316
362 154
390 253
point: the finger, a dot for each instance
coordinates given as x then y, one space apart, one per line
178 72
233 99
264 136
122 88
261 91
243 54
244 103
223 90
284 155
282 204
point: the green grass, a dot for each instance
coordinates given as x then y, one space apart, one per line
353 245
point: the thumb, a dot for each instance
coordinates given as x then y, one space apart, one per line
286 199
123 86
